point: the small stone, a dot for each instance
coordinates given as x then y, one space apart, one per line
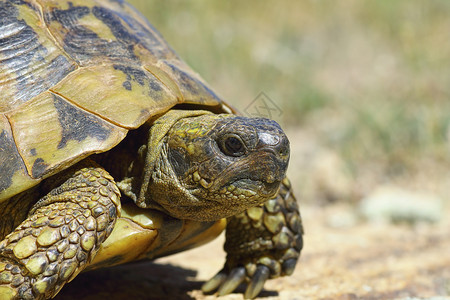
393 204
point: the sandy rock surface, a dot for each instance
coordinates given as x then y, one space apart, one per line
341 260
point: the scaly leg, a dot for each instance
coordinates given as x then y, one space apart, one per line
62 233
261 243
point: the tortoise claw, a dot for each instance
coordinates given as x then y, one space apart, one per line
236 277
262 273
214 282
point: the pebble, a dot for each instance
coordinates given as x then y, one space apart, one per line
396 205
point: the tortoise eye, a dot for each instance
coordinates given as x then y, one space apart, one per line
232 145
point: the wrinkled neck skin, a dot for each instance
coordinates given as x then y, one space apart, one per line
138 179
192 170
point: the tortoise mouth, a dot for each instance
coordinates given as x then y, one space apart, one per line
259 186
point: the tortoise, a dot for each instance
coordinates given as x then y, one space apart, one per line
113 150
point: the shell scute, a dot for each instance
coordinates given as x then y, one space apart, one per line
75 77
14 176
30 62
61 134
145 94
110 33
191 86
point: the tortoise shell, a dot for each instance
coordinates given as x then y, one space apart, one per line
75 78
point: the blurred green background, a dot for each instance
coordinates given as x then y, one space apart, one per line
364 86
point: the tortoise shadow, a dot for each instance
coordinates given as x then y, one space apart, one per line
144 280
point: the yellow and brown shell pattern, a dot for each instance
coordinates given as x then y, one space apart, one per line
75 76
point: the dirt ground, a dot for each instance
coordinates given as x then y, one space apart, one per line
360 261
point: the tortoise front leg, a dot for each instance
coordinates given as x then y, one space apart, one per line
60 236
261 243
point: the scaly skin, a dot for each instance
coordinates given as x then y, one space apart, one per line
61 235
261 243
195 166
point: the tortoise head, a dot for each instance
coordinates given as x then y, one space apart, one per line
214 166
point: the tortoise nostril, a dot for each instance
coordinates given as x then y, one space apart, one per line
283 147
277 142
